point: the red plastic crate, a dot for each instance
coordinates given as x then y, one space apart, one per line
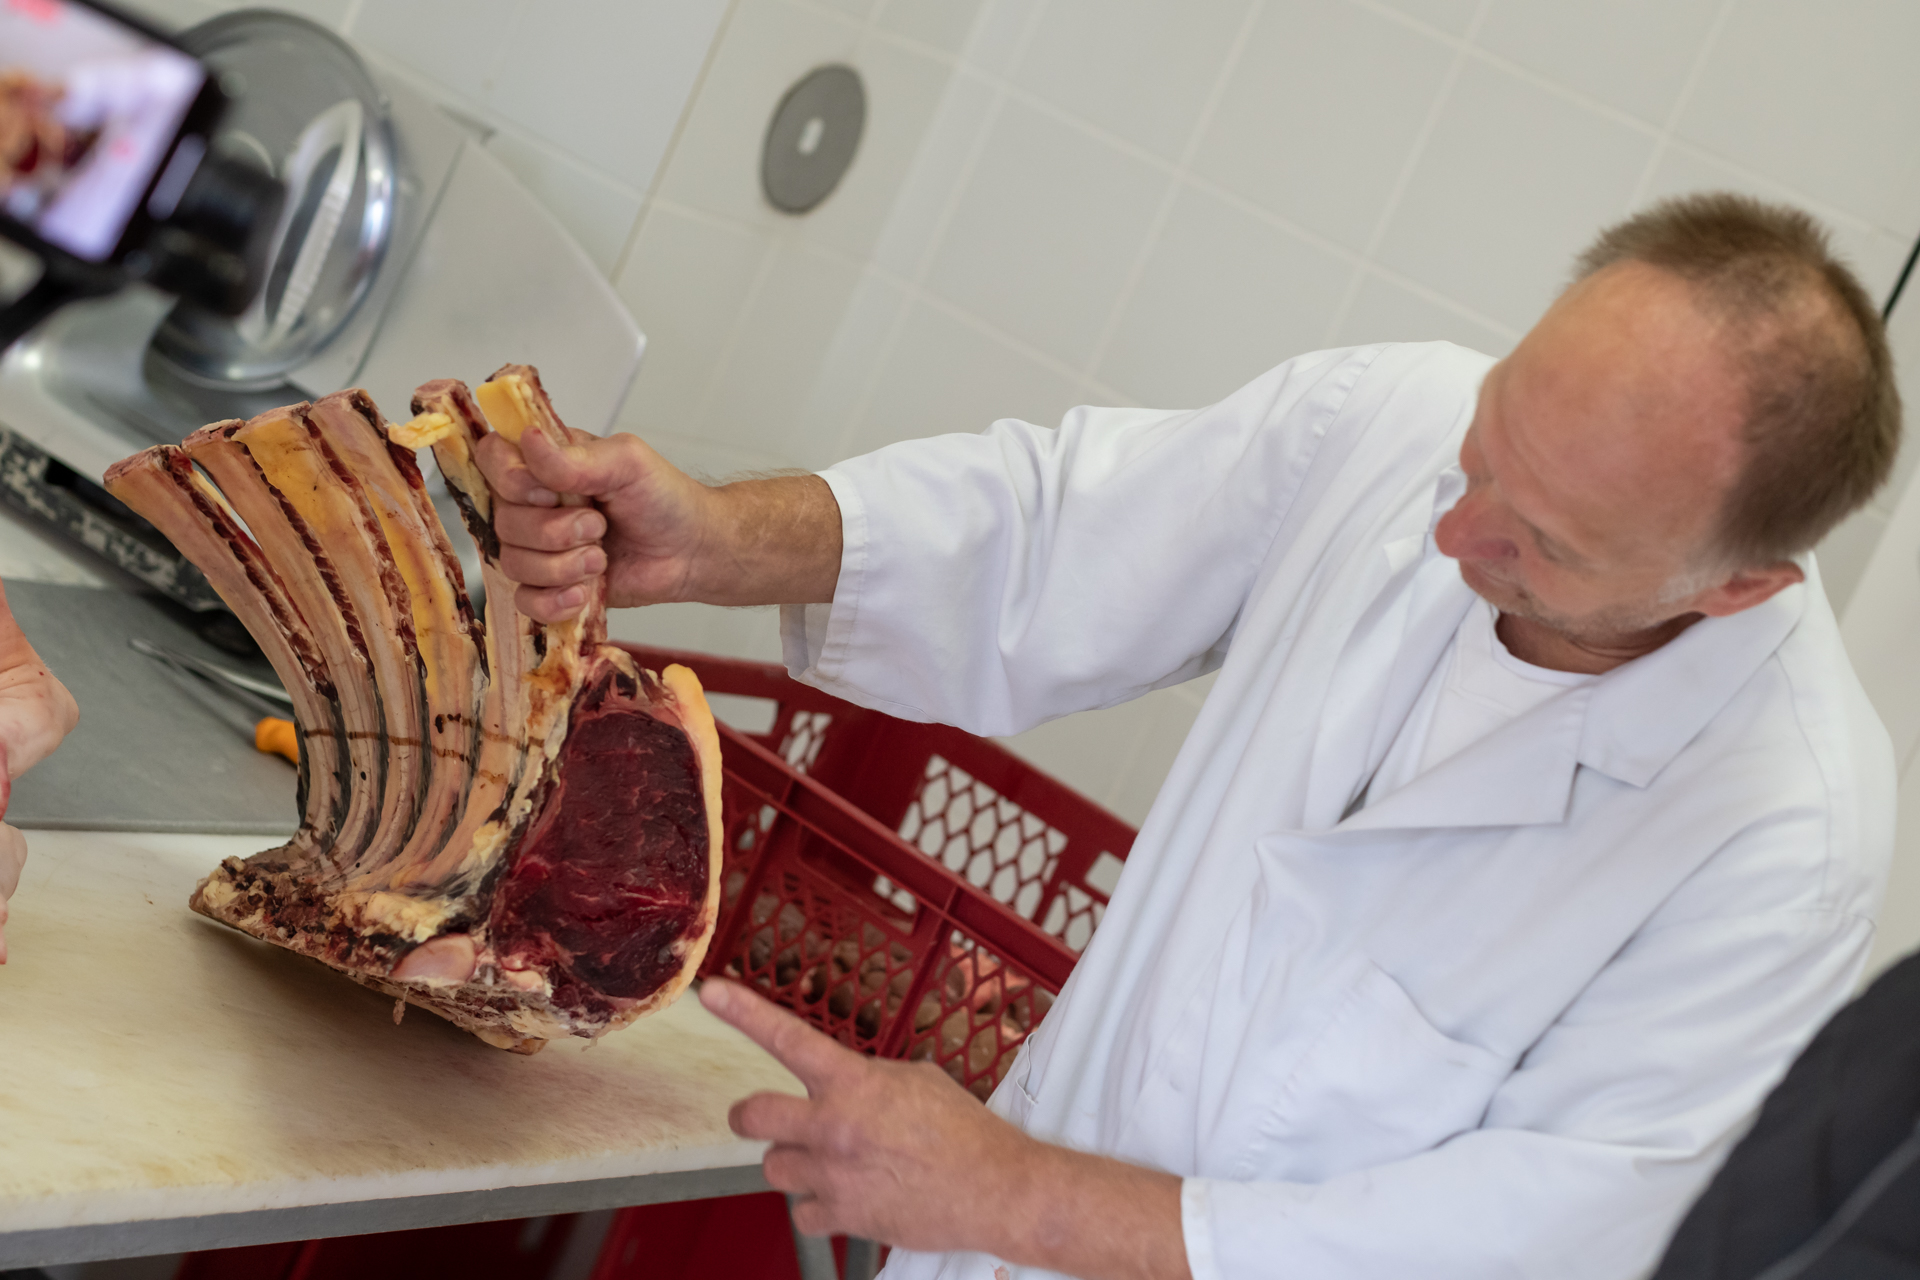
912 890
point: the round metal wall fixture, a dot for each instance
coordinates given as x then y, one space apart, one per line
812 138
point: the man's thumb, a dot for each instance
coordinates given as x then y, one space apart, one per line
561 468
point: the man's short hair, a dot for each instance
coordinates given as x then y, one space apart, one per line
1823 414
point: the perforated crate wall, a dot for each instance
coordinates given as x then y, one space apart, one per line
913 890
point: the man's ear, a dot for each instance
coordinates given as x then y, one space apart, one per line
1747 588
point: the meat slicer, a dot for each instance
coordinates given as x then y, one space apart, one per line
404 250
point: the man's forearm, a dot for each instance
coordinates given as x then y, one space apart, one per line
772 541
1086 1215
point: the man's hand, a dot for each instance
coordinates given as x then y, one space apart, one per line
656 532
898 1152
13 856
36 712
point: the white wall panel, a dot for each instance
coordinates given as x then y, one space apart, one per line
943 374
1141 70
1514 181
1324 88
1454 17
1632 54
1046 232
605 79
940 168
1000 35
1821 97
828 416
596 211
939 24
455 43
1384 310
1222 300
686 284
778 349
1090 752
769 44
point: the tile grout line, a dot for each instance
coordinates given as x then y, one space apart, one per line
894 38
776 238
1464 43
1680 103
915 290
1137 270
911 287
652 193
910 291
1404 178
711 392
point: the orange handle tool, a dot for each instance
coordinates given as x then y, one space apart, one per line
276 737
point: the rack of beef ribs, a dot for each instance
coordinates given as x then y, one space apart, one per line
506 822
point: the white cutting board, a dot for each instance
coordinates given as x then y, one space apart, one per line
156 1065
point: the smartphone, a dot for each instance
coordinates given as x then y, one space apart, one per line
103 122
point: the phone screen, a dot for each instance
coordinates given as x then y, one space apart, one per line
89 110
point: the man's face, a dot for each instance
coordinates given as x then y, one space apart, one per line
1597 462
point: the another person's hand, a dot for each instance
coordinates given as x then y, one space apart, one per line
13 856
898 1152
657 533
36 712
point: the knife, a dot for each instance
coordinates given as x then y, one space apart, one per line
272 734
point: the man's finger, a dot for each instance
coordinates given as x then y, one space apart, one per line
591 467
790 1169
548 528
772 1117
552 568
813 1057
811 1217
506 471
550 604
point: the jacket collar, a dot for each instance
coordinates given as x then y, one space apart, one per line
1629 725
1645 713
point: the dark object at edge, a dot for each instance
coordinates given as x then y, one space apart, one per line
1827 1185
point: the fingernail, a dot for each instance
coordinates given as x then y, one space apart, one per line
716 996
571 598
596 560
543 498
586 528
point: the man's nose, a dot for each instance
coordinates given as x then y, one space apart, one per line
1470 531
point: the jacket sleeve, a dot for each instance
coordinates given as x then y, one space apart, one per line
1001 580
1591 1150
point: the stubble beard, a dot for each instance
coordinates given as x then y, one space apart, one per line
1604 631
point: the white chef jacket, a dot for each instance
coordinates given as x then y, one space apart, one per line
1500 1023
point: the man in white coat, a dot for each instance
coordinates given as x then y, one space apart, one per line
1533 823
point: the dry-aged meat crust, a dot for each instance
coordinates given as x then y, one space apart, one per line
180 502
505 822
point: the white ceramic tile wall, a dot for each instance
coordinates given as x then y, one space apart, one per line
1150 201
1106 201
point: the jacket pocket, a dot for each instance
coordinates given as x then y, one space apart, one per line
1379 1083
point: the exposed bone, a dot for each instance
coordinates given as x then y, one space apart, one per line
163 487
